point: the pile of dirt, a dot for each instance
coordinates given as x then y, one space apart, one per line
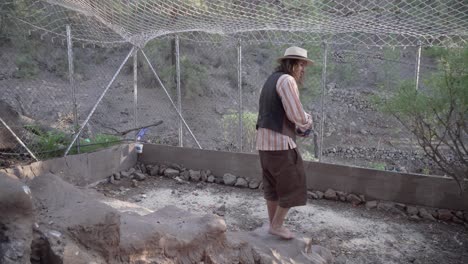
76 226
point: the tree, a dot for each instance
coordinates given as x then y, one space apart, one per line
437 113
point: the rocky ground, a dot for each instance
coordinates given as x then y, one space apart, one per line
356 232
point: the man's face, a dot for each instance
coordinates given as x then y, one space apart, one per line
299 70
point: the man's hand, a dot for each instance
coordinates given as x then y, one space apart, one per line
303 133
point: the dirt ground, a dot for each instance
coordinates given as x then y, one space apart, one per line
353 234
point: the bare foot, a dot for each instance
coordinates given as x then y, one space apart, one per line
282 232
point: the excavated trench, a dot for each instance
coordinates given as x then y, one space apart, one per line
168 214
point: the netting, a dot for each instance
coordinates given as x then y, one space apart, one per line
369 23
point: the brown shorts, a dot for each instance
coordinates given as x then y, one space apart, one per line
284 177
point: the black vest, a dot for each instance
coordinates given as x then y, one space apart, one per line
271 111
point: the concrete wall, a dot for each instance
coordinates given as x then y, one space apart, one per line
374 184
81 169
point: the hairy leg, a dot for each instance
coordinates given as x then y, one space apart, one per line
271 206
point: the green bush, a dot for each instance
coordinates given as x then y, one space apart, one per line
437 113
231 129
52 144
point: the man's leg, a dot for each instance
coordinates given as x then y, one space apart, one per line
276 227
271 206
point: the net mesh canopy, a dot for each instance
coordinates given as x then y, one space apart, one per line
356 22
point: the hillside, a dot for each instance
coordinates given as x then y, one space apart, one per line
33 80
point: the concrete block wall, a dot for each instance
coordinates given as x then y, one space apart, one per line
81 169
438 192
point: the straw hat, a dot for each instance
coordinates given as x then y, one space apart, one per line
296 53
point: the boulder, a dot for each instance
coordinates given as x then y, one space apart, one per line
16 221
331 195
241 182
229 179
171 173
195 175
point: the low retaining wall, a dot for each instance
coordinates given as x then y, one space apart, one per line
438 192
81 169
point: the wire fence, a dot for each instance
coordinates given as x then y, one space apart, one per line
215 88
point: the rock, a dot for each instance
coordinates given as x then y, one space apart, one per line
179 180
185 175
241 182
319 254
412 210
260 186
331 195
210 179
229 179
457 220
111 179
465 215
364 132
400 206
154 171
424 214
131 170
143 169
176 166
125 174
341 196
362 197
312 195
254 184
16 220
221 211
139 176
354 199
161 170
320 194
445 215
459 214
371 204
149 167
204 175
134 183
171 173
194 175
385 206
116 176
414 218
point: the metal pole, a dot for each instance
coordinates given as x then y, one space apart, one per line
239 84
322 98
135 90
179 94
170 99
99 100
71 72
418 64
18 139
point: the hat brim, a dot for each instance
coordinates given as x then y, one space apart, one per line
309 61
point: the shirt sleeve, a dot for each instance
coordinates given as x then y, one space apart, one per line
289 94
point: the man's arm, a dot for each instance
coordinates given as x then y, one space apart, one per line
289 94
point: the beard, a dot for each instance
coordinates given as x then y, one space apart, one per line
299 77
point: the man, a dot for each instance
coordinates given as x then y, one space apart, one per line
280 118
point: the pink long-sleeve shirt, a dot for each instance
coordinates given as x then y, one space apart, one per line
269 140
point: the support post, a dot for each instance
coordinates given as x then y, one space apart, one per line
322 98
18 139
239 84
71 72
135 91
418 65
98 101
169 97
179 94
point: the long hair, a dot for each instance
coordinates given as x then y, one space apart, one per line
288 66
